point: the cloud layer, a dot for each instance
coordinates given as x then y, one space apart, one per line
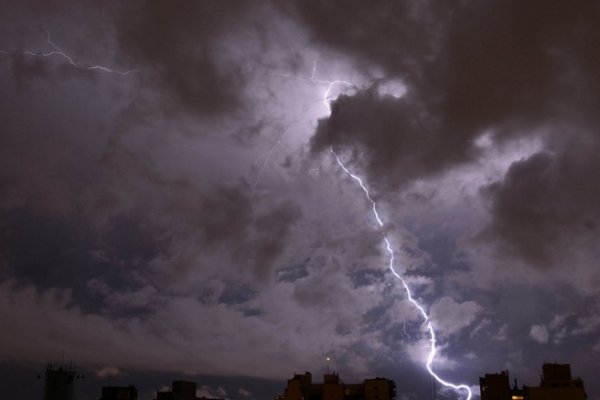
192 207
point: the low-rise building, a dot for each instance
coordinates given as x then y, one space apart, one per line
119 393
301 387
555 383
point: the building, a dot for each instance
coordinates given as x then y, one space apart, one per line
59 382
119 393
495 386
379 389
181 390
555 383
301 387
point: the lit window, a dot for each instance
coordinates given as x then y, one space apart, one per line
517 398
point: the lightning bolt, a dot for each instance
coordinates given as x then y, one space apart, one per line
57 51
432 337
327 97
405 332
266 157
329 84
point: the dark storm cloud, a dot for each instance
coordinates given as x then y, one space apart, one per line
84 206
510 69
382 33
225 214
504 66
272 231
395 139
545 210
294 272
179 41
226 220
24 70
58 252
133 242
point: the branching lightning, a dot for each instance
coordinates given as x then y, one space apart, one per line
418 306
327 97
265 157
57 51
405 332
330 84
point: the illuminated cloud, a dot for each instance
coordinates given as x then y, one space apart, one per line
190 218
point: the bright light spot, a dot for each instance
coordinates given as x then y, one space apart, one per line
394 88
484 140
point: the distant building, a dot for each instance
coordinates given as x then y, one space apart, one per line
555 383
181 390
301 387
119 393
59 382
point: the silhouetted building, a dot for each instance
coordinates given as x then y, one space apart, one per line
181 390
379 389
556 375
119 393
555 383
300 387
495 386
59 382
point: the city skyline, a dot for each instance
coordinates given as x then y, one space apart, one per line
556 381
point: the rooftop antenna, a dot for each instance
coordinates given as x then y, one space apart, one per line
328 360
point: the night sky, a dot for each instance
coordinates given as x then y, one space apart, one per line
170 207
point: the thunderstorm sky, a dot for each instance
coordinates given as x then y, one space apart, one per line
170 207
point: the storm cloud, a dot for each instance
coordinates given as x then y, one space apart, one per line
169 202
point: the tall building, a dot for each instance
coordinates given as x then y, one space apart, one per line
301 387
59 382
555 383
495 386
